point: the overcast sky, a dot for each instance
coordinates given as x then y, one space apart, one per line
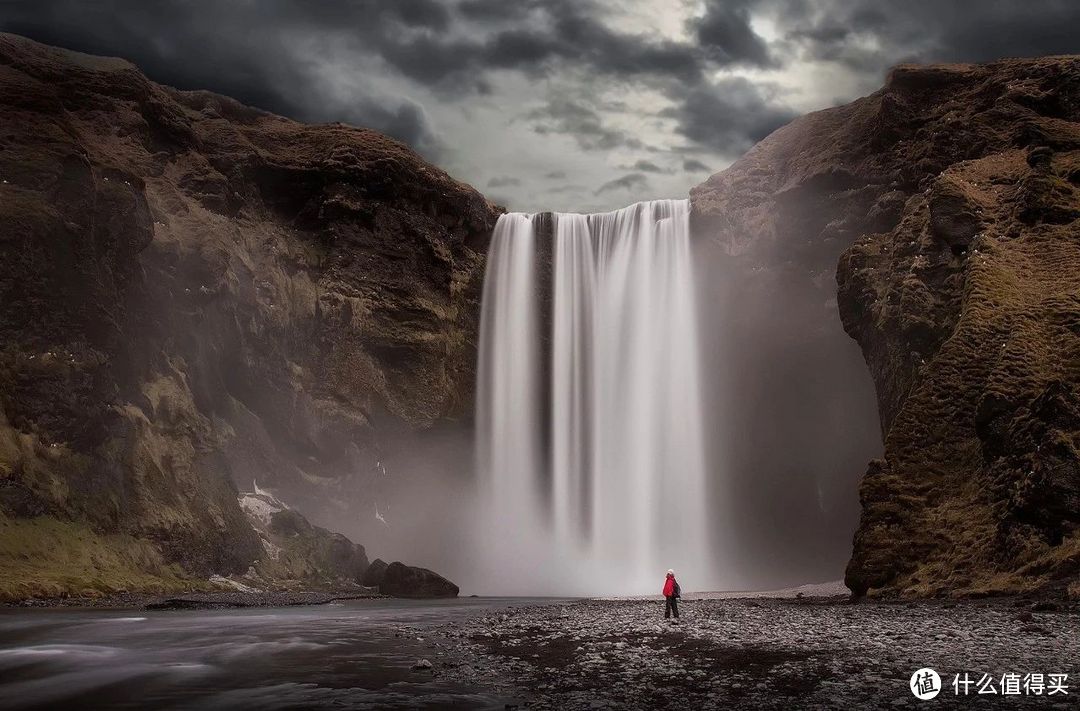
550 104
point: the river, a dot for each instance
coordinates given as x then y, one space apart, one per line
351 655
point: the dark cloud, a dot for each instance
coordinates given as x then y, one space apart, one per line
281 54
536 37
725 34
991 30
270 56
502 181
692 165
493 9
632 55
564 115
396 65
555 175
729 115
414 13
647 166
871 35
567 189
405 121
630 181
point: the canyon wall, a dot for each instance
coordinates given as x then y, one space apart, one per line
951 198
197 297
194 295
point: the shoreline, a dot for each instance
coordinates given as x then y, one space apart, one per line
833 592
194 600
723 652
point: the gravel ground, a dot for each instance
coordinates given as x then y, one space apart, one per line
763 653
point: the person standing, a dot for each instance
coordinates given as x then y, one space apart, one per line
672 593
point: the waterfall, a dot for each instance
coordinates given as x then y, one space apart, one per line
589 415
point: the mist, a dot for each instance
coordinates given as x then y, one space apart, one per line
789 423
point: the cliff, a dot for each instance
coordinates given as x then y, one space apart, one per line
951 199
194 293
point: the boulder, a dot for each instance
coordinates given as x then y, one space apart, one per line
400 580
373 575
289 523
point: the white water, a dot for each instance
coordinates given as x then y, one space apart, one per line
591 454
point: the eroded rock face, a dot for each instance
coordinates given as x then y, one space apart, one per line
955 192
296 553
193 292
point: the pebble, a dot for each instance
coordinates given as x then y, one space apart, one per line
764 654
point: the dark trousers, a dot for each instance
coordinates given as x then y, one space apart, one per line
671 606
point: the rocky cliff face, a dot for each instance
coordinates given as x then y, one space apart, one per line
194 293
295 552
951 197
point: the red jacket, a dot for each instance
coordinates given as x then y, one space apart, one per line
669 586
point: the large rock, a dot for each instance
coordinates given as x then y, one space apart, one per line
400 580
296 553
953 193
195 293
373 575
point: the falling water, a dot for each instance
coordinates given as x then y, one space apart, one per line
589 413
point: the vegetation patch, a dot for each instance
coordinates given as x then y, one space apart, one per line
45 557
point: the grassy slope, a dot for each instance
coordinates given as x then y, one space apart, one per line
45 557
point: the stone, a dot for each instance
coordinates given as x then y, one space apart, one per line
782 655
400 580
953 218
373 575
1039 157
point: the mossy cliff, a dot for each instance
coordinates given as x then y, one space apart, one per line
952 198
195 293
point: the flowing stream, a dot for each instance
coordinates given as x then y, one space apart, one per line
354 655
589 414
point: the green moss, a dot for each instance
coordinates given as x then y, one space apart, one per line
46 557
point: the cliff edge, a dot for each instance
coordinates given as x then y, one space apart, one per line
195 293
950 199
